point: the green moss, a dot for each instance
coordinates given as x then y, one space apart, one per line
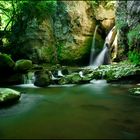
7 94
6 61
74 53
23 65
116 71
77 53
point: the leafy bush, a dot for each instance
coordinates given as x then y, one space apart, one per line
134 57
120 24
38 9
134 36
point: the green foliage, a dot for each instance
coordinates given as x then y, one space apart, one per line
121 24
134 36
60 47
134 57
118 71
14 10
30 14
94 3
6 11
107 3
38 9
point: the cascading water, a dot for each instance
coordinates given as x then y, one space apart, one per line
101 57
28 78
60 73
92 52
104 56
81 74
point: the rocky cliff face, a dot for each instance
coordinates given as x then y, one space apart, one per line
128 23
74 27
65 37
106 16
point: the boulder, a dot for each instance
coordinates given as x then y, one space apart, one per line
76 78
43 78
73 78
6 64
65 80
8 96
23 65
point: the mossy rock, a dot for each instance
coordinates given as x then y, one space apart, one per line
118 72
76 78
23 65
6 63
77 54
73 78
86 79
135 91
42 78
8 96
92 74
65 80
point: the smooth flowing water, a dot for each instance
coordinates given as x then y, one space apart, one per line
101 57
104 56
92 52
96 110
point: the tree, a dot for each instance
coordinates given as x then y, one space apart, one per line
15 14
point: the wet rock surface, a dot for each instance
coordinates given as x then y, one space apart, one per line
8 96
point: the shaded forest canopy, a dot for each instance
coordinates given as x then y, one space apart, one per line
13 12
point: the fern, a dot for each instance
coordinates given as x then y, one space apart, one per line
134 57
134 35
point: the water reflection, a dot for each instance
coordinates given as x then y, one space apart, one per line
25 104
85 111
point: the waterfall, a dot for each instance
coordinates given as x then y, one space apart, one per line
111 36
101 57
81 74
28 78
92 52
104 56
54 78
60 73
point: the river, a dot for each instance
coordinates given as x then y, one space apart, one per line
89 111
